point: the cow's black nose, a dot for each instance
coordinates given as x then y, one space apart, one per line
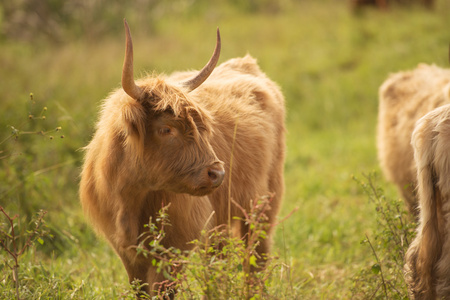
216 174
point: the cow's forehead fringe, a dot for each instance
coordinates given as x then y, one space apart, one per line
167 96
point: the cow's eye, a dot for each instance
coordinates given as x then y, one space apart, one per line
166 130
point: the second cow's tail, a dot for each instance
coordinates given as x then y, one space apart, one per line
429 140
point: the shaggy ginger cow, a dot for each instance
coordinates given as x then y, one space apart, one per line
404 98
164 140
427 268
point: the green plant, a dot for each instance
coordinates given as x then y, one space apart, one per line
220 266
15 241
21 152
395 230
15 133
15 238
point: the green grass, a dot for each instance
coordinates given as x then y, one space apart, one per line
329 64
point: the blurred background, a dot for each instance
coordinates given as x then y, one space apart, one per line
59 59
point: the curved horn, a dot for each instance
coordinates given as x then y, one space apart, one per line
128 84
193 83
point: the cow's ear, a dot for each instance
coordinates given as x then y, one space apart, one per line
133 126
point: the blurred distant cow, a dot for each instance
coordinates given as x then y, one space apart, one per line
404 98
427 268
356 4
383 4
169 139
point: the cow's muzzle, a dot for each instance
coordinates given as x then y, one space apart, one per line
216 173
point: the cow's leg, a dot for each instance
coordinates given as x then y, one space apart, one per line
137 269
276 189
410 197
142 270
157 283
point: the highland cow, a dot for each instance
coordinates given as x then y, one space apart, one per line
427 268
404 98
357 4
169 139
385 4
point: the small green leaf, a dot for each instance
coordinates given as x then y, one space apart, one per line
252 261
41 241
376 269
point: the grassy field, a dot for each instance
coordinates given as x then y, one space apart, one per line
329 63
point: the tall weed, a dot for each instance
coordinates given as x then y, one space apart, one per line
17 187
21 154
383 279
15 240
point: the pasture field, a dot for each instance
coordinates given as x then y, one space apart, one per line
329 63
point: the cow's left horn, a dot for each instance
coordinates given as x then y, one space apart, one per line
128 84
193 83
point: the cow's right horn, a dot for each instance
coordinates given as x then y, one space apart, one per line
128 84
204 73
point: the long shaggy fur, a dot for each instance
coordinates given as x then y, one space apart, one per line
130 171
405 97
427 268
